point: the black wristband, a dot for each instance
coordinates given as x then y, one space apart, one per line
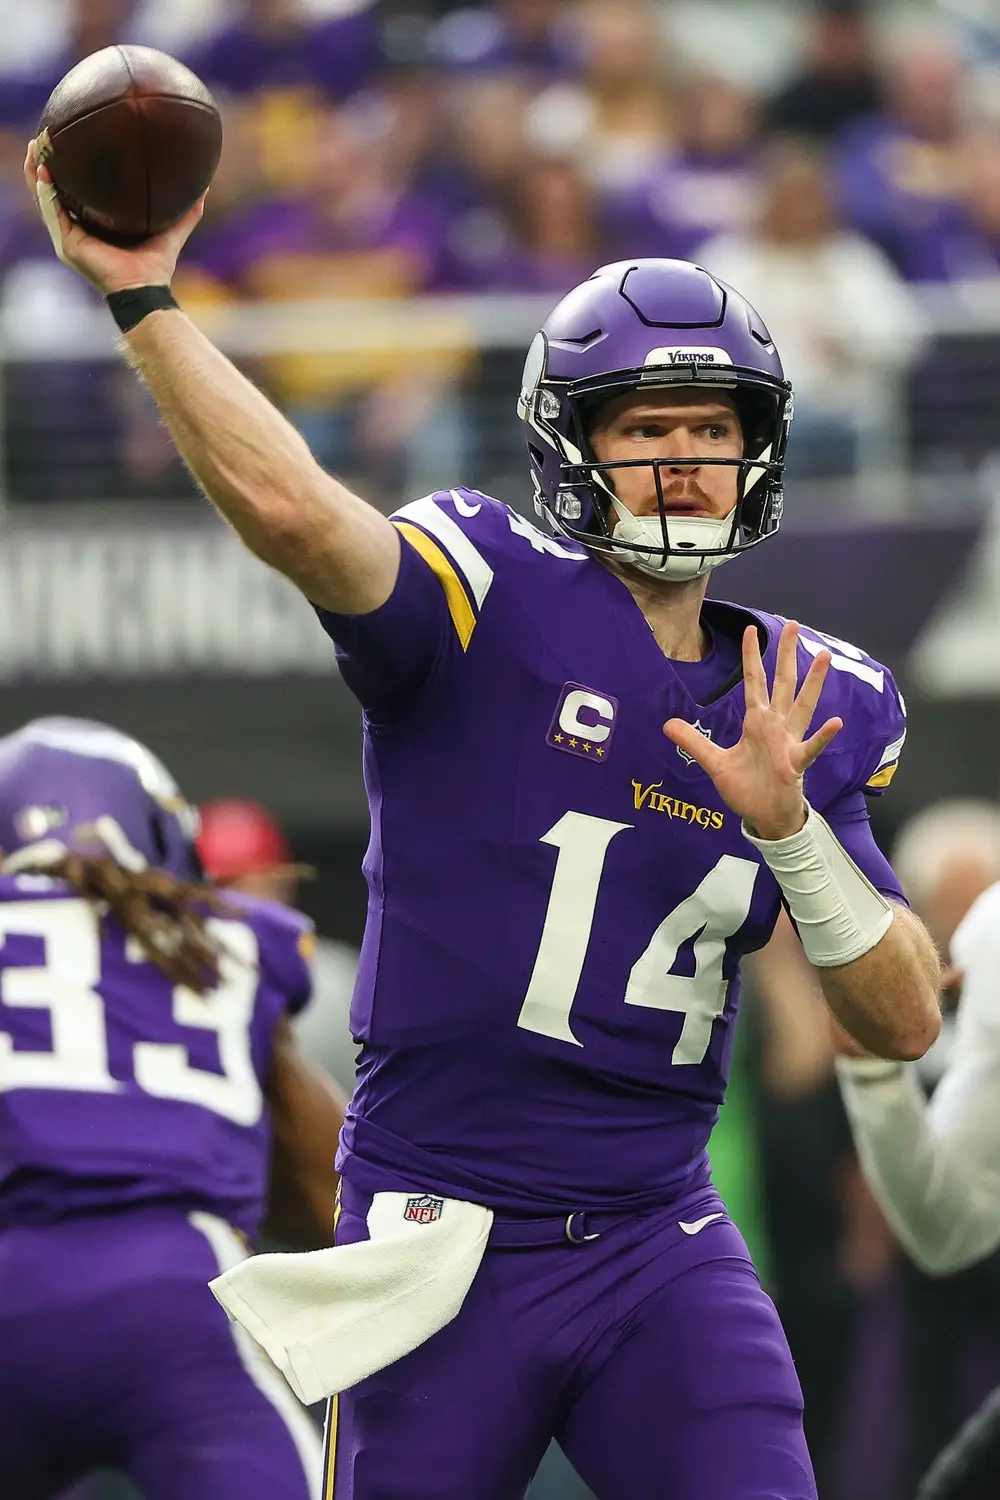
130 307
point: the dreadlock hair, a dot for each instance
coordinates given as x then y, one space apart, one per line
165 915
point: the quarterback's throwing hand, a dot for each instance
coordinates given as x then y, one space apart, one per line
760 778
111 268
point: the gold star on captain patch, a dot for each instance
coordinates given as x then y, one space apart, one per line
558 738
572 744
599 750
586 747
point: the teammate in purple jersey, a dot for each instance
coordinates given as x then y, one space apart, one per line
560 896
146 1067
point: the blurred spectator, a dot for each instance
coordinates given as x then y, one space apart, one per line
952 393
477 180
60 423
405 111
283 64
180 25
946 857
838 83
557 237
518 37
354 234
963 244
711 186
243 848
278 45
90 25
618 117
899 171
62 429
839 313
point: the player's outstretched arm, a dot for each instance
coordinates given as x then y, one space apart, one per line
307 1113
874 960
250 462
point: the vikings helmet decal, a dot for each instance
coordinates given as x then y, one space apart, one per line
653 324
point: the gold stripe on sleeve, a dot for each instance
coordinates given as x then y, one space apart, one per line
462 615
882 778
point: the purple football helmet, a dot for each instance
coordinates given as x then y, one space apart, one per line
641 324
76 784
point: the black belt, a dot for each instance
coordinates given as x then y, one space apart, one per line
580 1227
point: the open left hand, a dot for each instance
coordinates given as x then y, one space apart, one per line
760 777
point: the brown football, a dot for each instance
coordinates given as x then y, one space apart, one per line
132 139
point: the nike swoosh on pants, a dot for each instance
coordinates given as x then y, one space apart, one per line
698 1224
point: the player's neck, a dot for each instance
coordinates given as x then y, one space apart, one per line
672 612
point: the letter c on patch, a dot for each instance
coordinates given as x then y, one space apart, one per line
599 728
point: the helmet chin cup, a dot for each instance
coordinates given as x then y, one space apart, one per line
691 543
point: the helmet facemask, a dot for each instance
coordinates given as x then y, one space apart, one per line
580 501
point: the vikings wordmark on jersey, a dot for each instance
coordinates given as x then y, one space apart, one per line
559 900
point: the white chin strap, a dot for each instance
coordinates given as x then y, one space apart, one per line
686 534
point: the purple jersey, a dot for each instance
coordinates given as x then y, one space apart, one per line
559 900
118 1088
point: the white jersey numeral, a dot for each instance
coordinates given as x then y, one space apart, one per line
582 842
714 912
843 657
164 1068
65 986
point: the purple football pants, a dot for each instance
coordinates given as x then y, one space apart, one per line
114 1354
650 1353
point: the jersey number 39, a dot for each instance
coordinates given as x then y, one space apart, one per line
66 986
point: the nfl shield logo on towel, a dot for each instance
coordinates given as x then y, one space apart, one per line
423 1210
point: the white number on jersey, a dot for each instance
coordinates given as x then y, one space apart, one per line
714 911
65 986
843 657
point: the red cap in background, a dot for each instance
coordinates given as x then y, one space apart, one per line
239 838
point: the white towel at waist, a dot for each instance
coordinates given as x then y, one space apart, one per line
329 1318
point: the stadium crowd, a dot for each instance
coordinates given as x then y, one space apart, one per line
392 150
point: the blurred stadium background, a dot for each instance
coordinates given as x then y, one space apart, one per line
406 188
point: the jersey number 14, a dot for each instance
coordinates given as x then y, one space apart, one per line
715 910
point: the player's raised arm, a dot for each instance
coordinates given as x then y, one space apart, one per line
251 463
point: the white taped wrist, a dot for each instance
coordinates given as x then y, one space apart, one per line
838 912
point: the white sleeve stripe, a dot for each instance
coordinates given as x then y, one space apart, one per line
892 752
477 571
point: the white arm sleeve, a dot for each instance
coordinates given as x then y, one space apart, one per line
935 1168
